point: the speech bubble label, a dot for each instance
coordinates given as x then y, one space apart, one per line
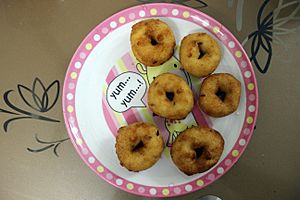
126 91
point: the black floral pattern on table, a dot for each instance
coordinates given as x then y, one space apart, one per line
191 3
37 105
269 28
261 39
39 99
46 145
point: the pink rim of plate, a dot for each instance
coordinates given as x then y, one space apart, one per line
159 10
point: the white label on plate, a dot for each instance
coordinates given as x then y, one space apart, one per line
126 91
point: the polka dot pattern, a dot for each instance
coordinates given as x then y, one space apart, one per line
238 54
216 29
84 151
102 31
75 131
73 75
247 74
122 20
119 181
228 162
100 169
166 192
79 141
177 190
129 186
220 170
251 108
70 96
70 109
250 86
132 16
142 13
91 160
242 142
71 86
251 97
77 65
211 177
164 11
96 37
250 120
113 24
244 64
82 55
231 44
88 46
141 189
246 131
153 11
175 12
152 191
200 182
186 14
188 188
109 176
235 153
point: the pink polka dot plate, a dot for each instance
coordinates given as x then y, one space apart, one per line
106 87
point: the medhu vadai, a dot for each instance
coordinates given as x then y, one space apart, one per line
170 96
152 42
139 146
220 94
199 54
197 149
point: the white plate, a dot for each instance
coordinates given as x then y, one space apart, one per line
106 87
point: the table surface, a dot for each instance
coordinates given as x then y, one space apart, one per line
37 41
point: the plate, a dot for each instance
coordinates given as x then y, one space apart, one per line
106 87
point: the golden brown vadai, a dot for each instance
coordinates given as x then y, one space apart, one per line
199 54
152 42
139 146
220 94
197 149
170 96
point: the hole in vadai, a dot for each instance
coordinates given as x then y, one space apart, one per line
170 95
138 146
153 42
201 51
221 94
199 152
157 133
